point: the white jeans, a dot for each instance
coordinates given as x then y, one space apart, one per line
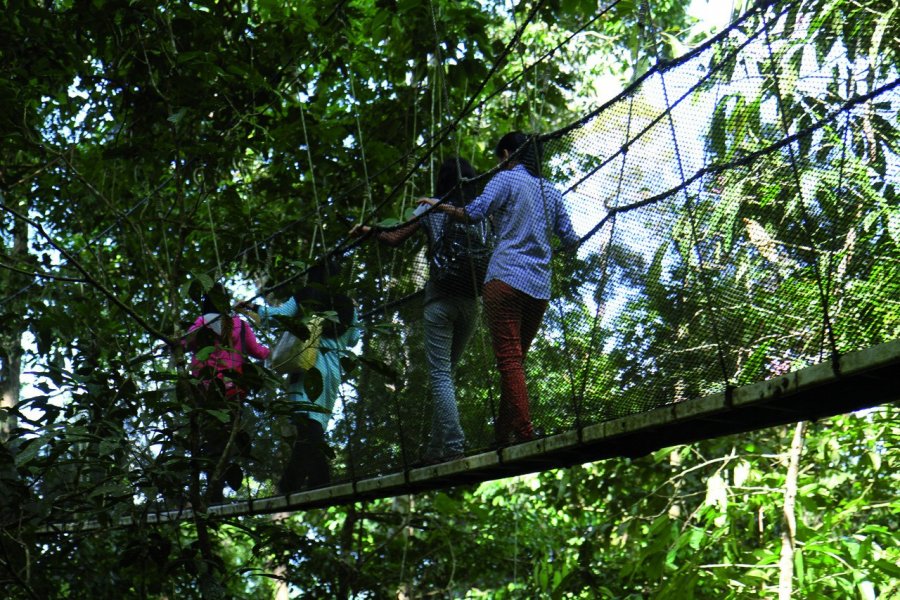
449 324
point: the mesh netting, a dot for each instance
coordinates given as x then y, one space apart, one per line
737 220
722 203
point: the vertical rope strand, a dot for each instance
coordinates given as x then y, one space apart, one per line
320 226
795 172
692 220
489 374
212 230
837 191
362 150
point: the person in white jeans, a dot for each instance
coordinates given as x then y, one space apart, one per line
450 315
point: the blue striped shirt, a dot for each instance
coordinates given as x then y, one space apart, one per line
525 211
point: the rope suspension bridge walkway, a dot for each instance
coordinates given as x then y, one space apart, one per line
864 379
737 269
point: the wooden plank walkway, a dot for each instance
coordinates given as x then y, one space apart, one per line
863 379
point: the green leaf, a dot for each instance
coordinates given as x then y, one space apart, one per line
893 225
753 367
888 567
203 354
389 222
444 504
28 451
697 536
200 284
380 367
177 116
222 415
875 458
313 383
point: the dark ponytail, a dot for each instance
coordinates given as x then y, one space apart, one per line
524 149
217 301
449 183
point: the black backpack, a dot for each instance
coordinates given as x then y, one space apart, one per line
459 258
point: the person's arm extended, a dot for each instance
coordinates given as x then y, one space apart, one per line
457 213
495 192
568 237
394 237
248 338
286 309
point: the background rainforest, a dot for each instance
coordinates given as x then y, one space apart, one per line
152 147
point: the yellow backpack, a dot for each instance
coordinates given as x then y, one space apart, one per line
293 355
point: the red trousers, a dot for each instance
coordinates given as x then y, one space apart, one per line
513 319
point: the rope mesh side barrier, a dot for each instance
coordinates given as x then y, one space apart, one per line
661 211
725 238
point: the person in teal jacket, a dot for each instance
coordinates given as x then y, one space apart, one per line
308 465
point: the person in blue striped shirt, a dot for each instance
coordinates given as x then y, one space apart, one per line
526 210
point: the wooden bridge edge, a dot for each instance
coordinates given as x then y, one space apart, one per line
863 379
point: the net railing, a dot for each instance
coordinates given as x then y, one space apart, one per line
737 220
726 205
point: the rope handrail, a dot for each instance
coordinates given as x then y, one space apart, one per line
674 317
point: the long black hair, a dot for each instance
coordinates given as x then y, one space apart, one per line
524 149
216 301
449 181
321 293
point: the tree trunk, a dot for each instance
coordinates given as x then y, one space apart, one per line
347 565
10 371
675 463
789 529
282 590
11 333
279 569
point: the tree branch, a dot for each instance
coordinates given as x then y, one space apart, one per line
789 531
90 279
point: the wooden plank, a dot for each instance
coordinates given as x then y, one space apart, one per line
863 379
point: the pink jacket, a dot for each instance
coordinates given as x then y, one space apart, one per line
243 342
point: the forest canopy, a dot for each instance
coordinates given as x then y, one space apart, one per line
152 149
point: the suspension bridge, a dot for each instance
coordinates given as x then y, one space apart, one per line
737 269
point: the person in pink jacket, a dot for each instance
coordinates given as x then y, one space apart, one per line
230 338
220 343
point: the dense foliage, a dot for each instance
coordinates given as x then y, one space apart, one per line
151 148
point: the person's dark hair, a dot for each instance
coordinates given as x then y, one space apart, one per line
523 149
322 273
449 182
322 293
216 300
